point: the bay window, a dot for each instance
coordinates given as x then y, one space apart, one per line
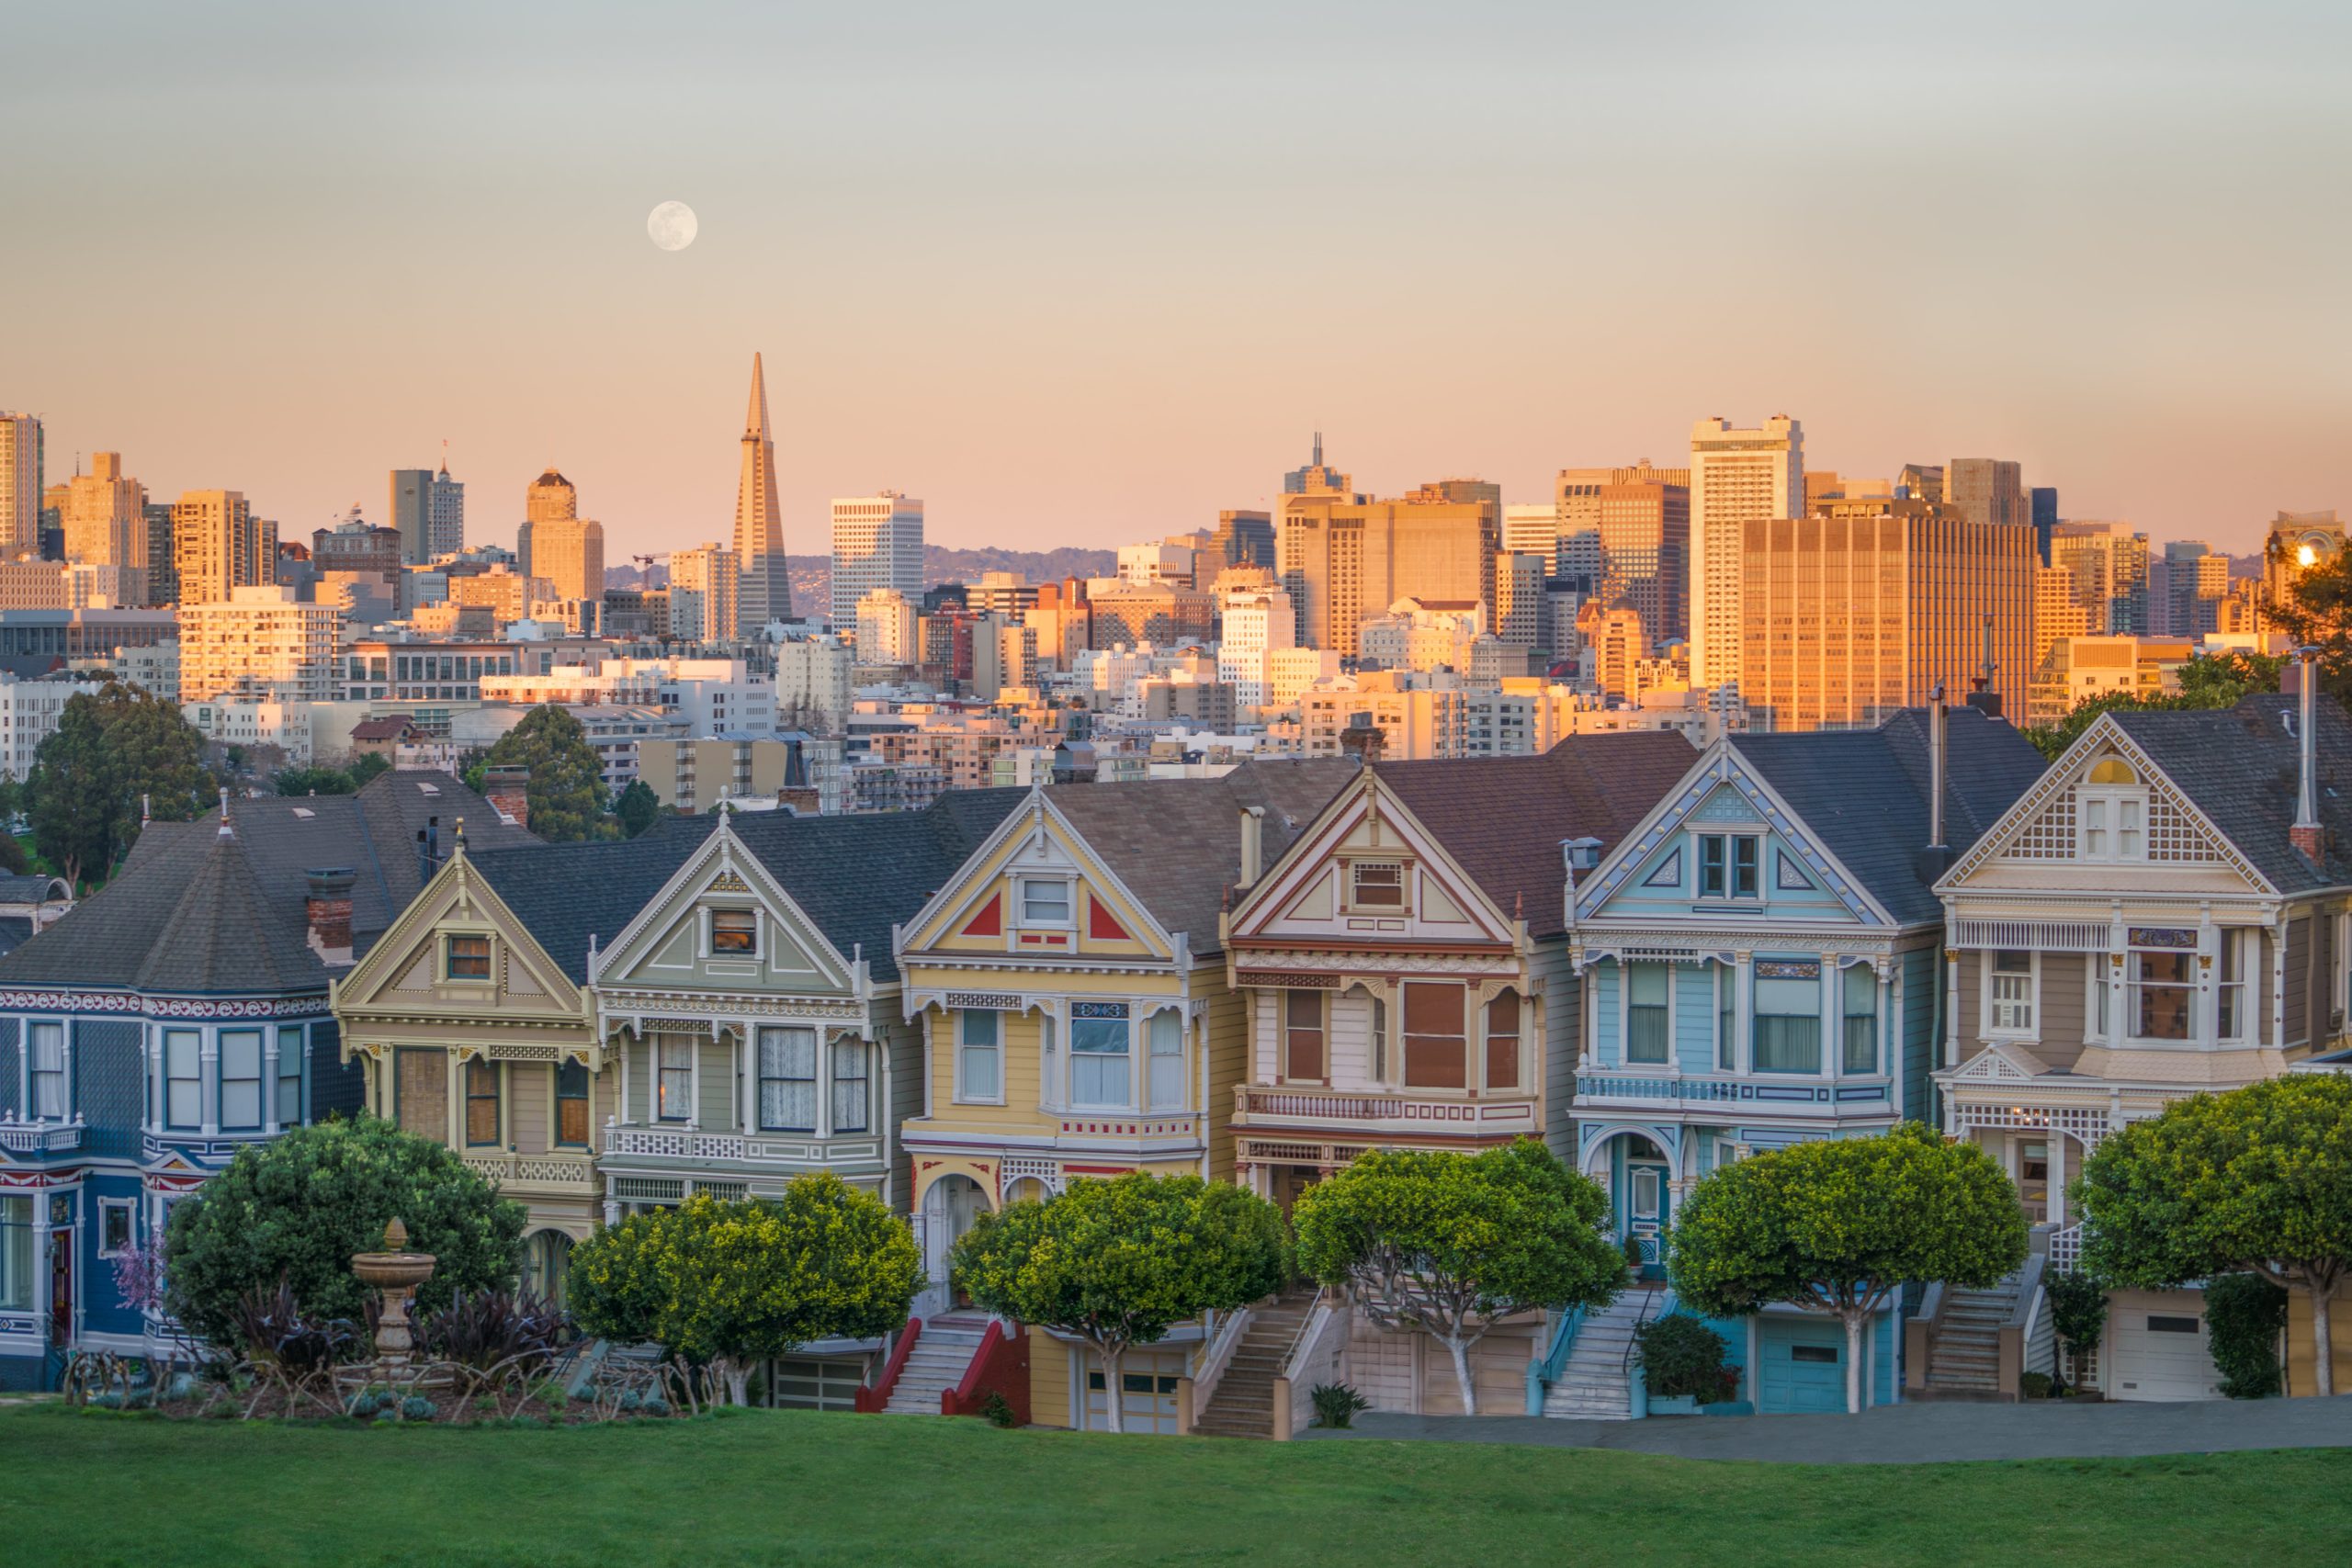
1861 982
48 1063
1788 1017
788 1080
1436 1053
1098 1054
1502 1042
1646 1013
2009 994
481 1103
977 1055
2231 966
675 1074
1164 1039
2160 973
183 1078
1303 1036
849 1086
241 1080
16 1254
289 1075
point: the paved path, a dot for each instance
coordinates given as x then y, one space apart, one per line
1910 1434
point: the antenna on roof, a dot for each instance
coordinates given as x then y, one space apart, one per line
225 831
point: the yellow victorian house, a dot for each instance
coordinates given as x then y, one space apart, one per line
1076 1022
472 1019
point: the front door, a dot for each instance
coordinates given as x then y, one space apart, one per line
1645 1209
948 1211
61 1287
2033 1178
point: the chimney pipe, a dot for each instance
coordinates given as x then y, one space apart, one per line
2305 834
1254 844
1936 858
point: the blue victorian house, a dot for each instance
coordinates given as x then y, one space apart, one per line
1763 959
176 1016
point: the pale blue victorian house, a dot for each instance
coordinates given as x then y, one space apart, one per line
1764 964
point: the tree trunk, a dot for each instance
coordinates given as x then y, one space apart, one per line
1113 1395
1853 1317
1460 1353
2322 1342
738 1374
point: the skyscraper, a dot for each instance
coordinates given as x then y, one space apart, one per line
570 553
106 520
445 530
548 499
1737 477
218 545
877 543
1986 490
1314 478
1344 557
410 512
2109 564
2043 502
20 483
759 519
706 584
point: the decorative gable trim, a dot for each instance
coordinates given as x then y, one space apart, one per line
1993 1065
382 983
1037 826
720 863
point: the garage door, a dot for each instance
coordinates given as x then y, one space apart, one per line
1802 1367
2156 1346
1150 1402
804 1383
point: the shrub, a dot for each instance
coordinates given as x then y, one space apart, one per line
416 1407
998 1411
1336 1404
2245 1314
483 1328
272 1326
2077 1311
296 1208
1682 1356
2035 1385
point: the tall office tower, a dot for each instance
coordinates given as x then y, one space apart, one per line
218 545
1645 526
2186 587
410 513
162 556
1344 557
1532 530
20 483
2297 542
550 499
2043 502
444 527
570 553
1461 489
1922 481
1519 599
706 586
1255 625
1315 479
1986 490
877 543
1737 477
106 521
759 519
1859 610
2056 615
2109 567
1242 539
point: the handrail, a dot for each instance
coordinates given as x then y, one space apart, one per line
1307 1322
967 1388
1218 1356
878 1396
1544 1371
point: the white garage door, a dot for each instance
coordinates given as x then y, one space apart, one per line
1148 1403
2156 1346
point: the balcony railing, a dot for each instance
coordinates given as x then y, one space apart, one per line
1798 1094
673 1142
40 1137
573 1170
1257 1106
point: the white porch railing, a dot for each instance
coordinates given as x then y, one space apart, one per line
1763 1095
1218 1356
40 1137
1315 1356
2066 1248
1260 1106
536 1170
676 1142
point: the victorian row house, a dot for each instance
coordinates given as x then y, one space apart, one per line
2164 914
175 1017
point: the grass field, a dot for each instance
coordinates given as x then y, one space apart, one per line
784 1487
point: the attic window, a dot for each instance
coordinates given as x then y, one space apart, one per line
2112 770
734 931
1376 884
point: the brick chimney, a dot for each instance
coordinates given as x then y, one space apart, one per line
327 909
508 790
1362 739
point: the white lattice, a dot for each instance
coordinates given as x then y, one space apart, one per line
2045 936
2173 838
2083 1123
1014 1168
2050 836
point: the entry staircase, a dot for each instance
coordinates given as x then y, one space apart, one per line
942 1352
1595 1383
1242 1406
1965 1359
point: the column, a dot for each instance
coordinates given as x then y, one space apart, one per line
694 1082
622 1117
1951 1006
209 1079
269 1079
2207 1025
747 1080
454 1092
1833 1015
927 1065
1742 1051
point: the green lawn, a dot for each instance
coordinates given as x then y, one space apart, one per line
783 1487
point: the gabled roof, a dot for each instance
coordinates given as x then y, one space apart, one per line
1862 794
564 894
1503 818
33 889
2239 767
1176 843
192 911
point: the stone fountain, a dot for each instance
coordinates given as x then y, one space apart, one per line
394 1273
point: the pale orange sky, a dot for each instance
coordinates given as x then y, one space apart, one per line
1085 274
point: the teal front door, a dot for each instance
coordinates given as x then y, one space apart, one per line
1645 1209
1802 1367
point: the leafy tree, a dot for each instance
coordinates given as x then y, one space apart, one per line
2077 1316
366 767
299 1206
637 807
1838 1224
2245 1314
112 748
314 781
1120 1262
567 783
731 1284
2317 612
2207 681
2258 1180
1451 1243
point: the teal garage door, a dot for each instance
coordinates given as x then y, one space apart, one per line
1802 1367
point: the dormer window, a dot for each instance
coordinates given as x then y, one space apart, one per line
2111 813
1728 864
1045 901
468 958
1376 884
736 931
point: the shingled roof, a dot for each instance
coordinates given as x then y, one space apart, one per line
1176 843
2239 767
196 911
1862 794
565 894
1504 818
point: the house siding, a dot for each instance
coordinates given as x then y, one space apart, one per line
903 1043
1227 1047
11 1068
2296 1029
109 1086
1562 999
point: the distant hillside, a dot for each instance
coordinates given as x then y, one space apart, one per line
812 576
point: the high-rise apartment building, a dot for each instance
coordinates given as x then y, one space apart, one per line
550 498
1862 608
1256 624
887 632
258 643
2187 585
1519 599
570 553
1986 490
444 521
218 545
21 444
2041 502
1344 557
106 521
706 586
877 543
1737 476
1645 527
2109 564
163 562
410 513
759 519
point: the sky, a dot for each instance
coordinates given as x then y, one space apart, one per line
1085 274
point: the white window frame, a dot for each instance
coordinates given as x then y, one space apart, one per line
964 1093
1126 1057
1356 904
2108 801
2233 941
291 1069
63 1071
1155 1058
128 1206
710 949
264 1089
1069 921
2128 1034
663 1044
1989 1003
170 1124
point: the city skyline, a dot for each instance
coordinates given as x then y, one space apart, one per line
2042 252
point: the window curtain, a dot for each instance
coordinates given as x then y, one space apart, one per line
788 1080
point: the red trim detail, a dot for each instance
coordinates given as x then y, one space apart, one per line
990 921
878 1398
1103 925
999 1366
1096 1169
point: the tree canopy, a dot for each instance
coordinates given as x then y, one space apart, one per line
2317 612
2207 681
111 749
1121 1261
2258 1180
638 808
1838 1224
1451 1243
299 1206
567 783
331 781
730 1284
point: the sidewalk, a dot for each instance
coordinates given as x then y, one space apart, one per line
1909 1434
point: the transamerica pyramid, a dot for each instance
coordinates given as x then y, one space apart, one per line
766 592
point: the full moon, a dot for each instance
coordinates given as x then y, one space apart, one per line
673 225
